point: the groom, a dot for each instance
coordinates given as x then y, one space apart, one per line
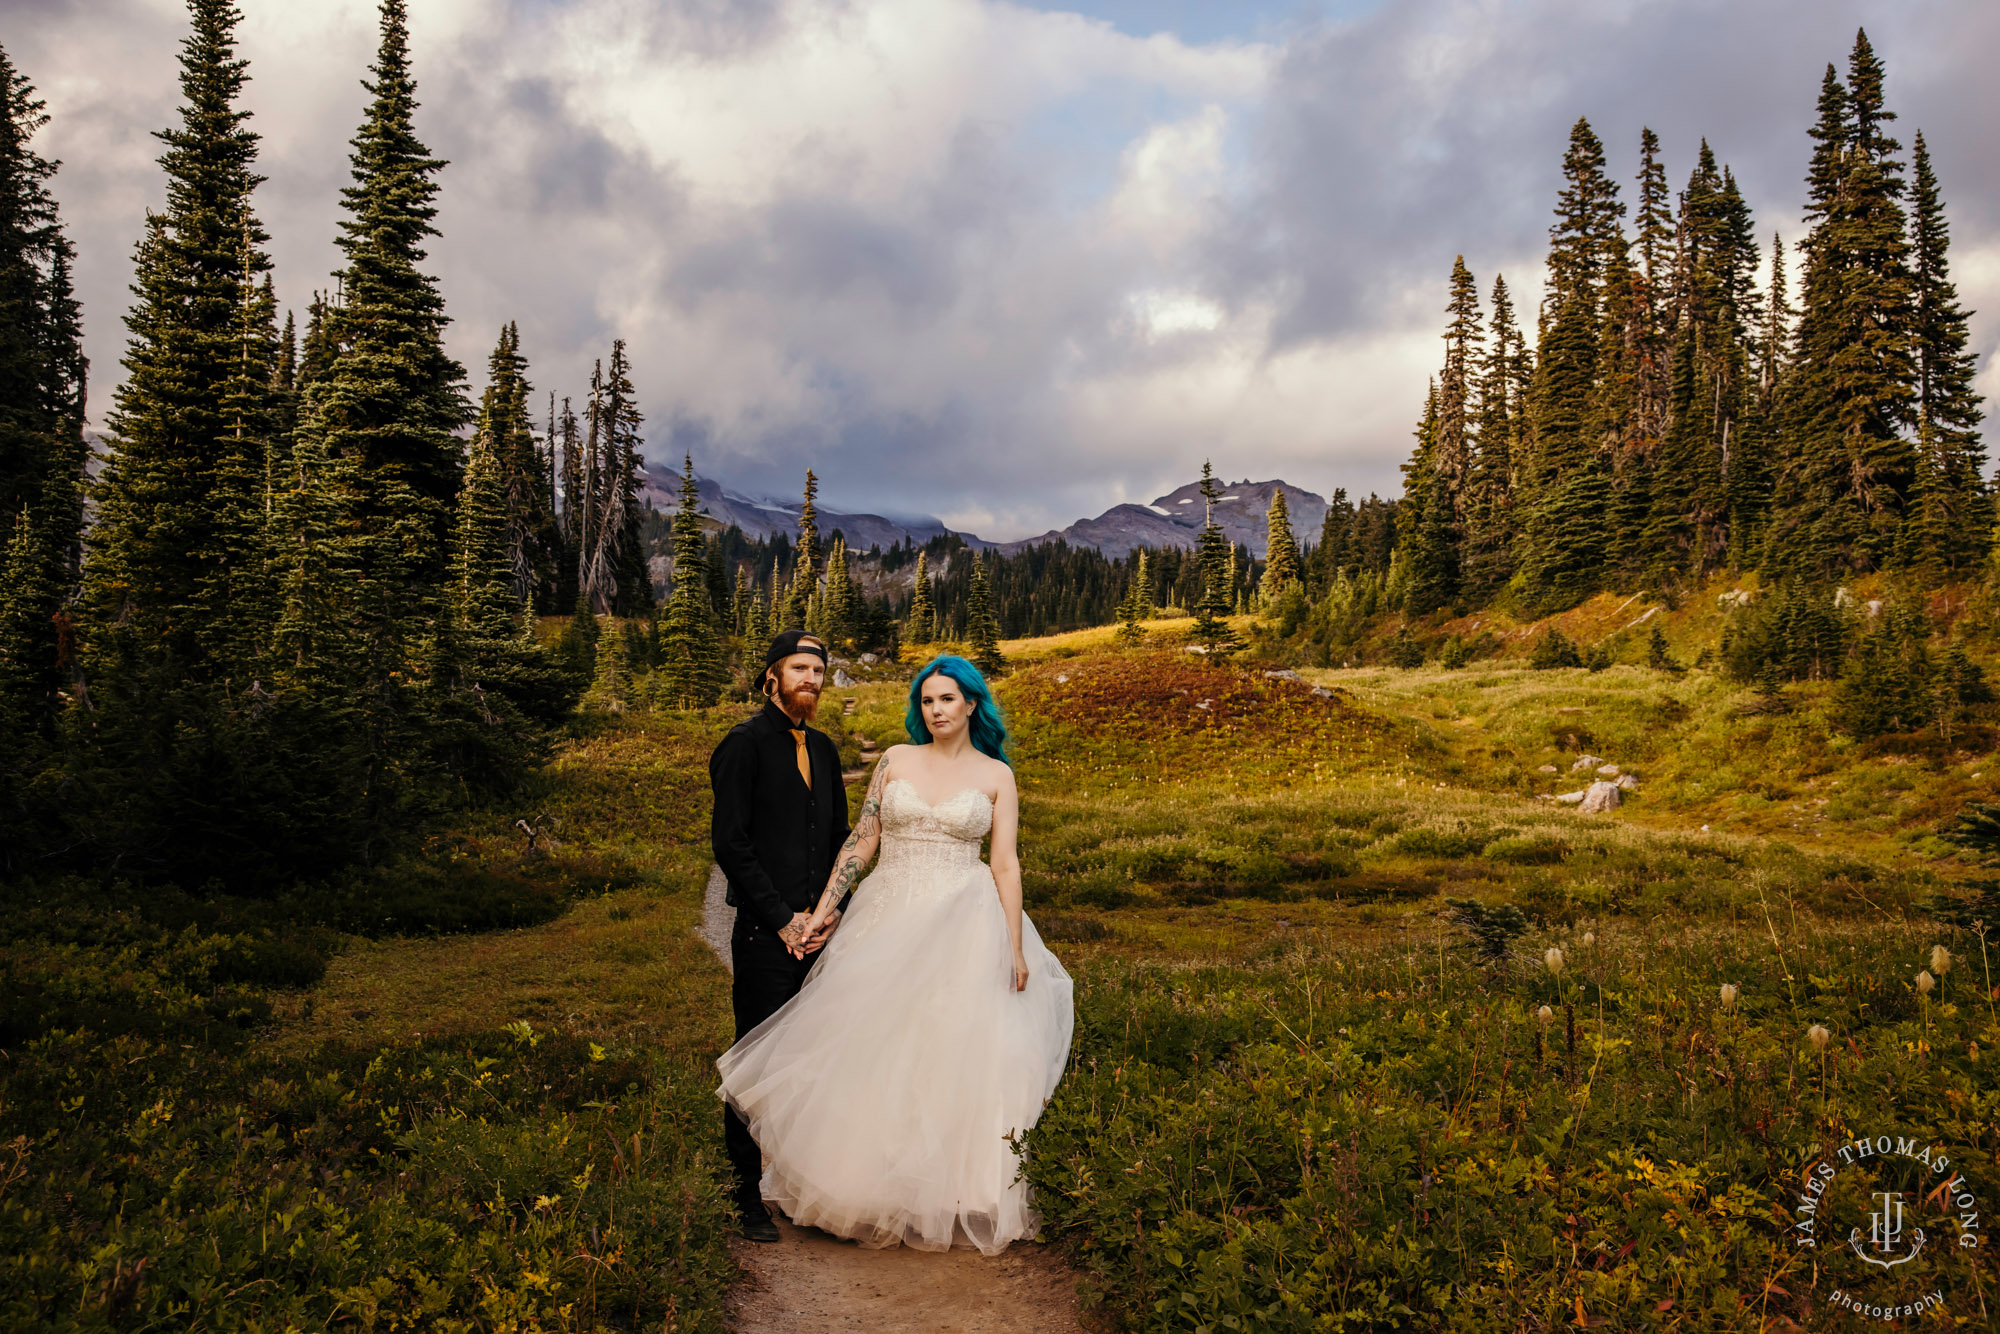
780 819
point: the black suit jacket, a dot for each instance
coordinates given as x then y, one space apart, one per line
775 841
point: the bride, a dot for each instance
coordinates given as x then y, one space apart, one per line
888 1095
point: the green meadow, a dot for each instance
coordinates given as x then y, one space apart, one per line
1327 1075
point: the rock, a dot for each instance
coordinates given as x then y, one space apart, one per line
1608 771
1321 692
835 660
1874 606
1735 597
1570 797
1586 762
1548 769
1062 678
841 680
1628 782
869 660
1842 598
1286 675
1599 799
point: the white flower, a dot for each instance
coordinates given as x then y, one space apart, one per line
1925 982
1589 939
1554 959
1818 1036
1729 994
1545 1014
1940 960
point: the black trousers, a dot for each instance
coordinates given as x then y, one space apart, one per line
766 977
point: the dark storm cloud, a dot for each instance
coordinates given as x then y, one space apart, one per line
931 250
1425 130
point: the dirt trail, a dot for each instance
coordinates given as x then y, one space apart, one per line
810 1283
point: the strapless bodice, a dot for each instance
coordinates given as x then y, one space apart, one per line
926 851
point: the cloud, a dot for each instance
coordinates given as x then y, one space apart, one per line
1002 264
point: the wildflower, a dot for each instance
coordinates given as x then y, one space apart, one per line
1589 939
1554 959
1940 960
1545 1014
1925 982
1729 994
1818 1036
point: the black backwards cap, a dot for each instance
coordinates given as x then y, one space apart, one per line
790 642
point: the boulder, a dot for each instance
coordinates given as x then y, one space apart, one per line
841 680
1321 692
1599 799
869 659
1586 762
1735 597
1286 675
1570 797
1627 782
1548 769
1608 771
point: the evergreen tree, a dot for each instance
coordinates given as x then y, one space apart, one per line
1137 605
1845 472
690 671
532 541
177 538
981 627
743 606
1563 535
923 616
1452 459
1428 551
483 599
1212 556
1281 549
838 607
42 451
1947 529
806 568
1487 555
622 532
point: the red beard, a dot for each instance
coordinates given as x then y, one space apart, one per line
800 703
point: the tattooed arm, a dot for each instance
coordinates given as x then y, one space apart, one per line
854 856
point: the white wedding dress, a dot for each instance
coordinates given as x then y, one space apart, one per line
885 1095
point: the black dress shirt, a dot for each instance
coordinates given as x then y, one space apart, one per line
774 840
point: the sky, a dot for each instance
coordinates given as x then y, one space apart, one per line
1007 264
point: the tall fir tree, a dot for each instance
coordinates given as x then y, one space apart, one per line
1213 551
504 422
483 589
1843 478
1281 550
1456 433
982 627
1429 553
380 420
1948 528
42 450
1136 607
1486 561
806 565
178 533
1560 553
922 622
838 605
690 670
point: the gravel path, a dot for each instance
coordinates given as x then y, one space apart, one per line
717 917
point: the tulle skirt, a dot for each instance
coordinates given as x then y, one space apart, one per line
889 1094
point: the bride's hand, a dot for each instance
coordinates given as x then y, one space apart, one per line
1020 972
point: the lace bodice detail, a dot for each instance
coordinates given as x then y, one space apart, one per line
926 850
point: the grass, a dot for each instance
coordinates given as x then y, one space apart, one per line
1297 1099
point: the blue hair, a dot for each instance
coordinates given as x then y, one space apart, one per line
989 728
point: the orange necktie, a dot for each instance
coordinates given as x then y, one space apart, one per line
805 764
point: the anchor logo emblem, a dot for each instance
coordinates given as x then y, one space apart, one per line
1885 1233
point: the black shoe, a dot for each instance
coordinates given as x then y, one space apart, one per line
759 1227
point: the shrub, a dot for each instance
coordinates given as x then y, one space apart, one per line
1404 651
1493 928
1554 649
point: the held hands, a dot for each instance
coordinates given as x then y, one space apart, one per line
808 932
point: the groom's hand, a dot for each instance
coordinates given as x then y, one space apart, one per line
825 932
793 934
